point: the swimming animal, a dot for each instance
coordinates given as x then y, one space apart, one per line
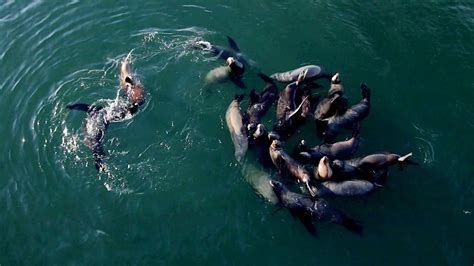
337 150
289 109
99 117
237 128
331 126
287 166
260 102
309 210
369 167
310 73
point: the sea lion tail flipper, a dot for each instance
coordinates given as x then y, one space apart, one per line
365 91
403 158
406 160
254 97
265 78
311 191
239 97
356 130
233 44
353 225
79 106
239 83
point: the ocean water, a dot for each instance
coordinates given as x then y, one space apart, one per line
174 193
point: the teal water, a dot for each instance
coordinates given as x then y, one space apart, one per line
174 194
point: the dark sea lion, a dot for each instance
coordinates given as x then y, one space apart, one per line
289 109
260 103
287 166
309 210
341 149
311 73
221 52
356 113
236 72
335 100
237 128
95 126
99 117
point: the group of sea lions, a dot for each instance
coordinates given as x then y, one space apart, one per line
322 171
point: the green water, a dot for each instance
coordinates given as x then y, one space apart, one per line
174 194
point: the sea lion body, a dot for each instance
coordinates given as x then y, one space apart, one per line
313 72
287 165
340 149
349 118
238 131
349 188
309 210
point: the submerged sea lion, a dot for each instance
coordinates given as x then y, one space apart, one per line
99 117
311 73
260 142
237 129
286 165
356 113
309 210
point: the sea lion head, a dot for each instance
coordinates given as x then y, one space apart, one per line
203 45
259 131
277 186
336 79
324 169
276 145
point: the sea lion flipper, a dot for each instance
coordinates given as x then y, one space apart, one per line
265 78
239 83
79 106
353 225
233 44
305 219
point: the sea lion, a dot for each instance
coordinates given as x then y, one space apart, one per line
237 129
286 165
341 149
333 102
330 127
311 73
309 210
289 106
99 117
260 103
371 167
349 188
